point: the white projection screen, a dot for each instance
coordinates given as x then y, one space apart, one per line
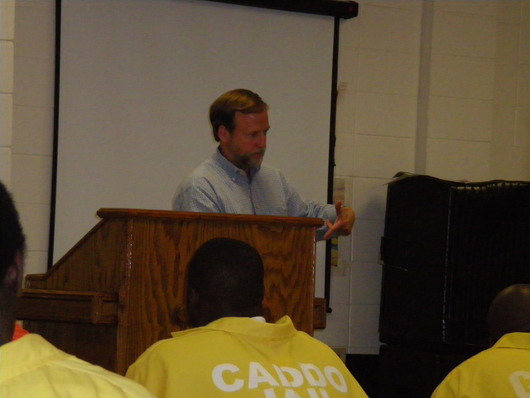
137 78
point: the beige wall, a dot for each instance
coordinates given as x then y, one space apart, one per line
7 33
33 123
441 88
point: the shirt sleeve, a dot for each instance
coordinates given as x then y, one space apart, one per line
297 207
196 197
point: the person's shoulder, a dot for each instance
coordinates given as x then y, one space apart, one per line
177 352
315 344
267 168
308 339
88 377
104 379
269 172
183 338
200 170
481 361
198 179
179 341
208 172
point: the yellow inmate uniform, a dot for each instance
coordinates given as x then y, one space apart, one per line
31 367
501 371
243 357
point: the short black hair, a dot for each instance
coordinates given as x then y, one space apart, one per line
12 239
509 311
227 274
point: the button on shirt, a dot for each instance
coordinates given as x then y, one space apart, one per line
217 186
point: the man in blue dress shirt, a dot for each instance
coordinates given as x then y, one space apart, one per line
234 181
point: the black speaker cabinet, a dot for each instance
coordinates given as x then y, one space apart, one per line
448 248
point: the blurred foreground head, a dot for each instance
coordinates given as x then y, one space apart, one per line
12 246
510 311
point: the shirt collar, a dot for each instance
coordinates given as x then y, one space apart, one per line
514 340
283 328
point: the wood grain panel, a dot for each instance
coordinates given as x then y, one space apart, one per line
141 256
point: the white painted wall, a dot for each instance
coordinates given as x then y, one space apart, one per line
441 88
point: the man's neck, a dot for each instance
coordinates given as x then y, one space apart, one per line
6 331
245 168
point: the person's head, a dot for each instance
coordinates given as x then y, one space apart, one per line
240 123
225 278
510 311
224 108
12 246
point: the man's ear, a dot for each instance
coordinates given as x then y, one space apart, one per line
15 272
192 297
223 133
193 310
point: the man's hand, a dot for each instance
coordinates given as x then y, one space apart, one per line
344 222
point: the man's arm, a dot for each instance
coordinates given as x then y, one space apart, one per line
338 220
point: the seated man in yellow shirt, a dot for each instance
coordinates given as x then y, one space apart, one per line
502 371
233 351
29 365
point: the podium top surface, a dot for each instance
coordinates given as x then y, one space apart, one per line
107 213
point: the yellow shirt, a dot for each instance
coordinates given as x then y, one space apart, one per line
501 371
242 357
30 367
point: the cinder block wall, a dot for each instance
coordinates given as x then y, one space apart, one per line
441 88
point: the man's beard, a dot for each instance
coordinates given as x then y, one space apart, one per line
252 160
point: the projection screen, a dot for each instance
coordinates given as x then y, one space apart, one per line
137 78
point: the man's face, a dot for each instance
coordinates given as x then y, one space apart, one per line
245 146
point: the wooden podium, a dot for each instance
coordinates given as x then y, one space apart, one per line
115 292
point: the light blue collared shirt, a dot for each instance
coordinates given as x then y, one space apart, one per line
217 186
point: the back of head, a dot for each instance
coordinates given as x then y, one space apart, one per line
223 109
12 241
12 245
510 311
225 278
